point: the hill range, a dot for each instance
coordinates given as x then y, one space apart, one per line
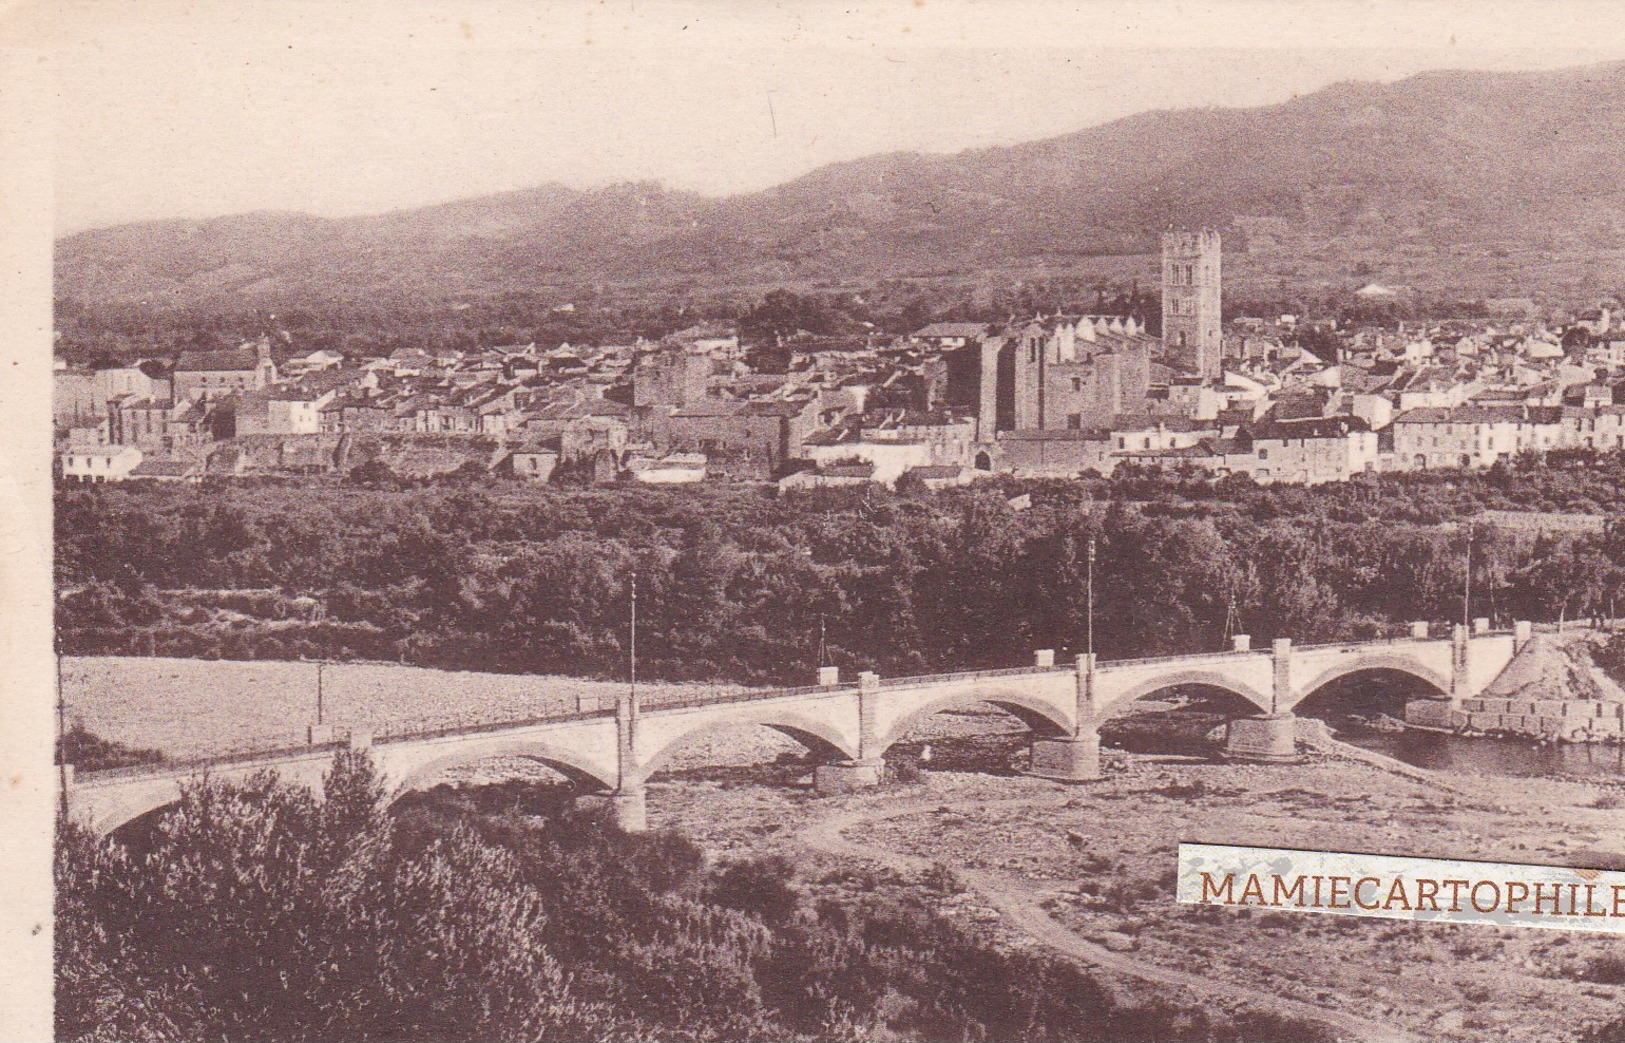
1470 183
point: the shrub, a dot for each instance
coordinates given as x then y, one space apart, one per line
759 886
1605 970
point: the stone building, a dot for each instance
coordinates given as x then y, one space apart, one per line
80 397
1066 377
1473 436
1192 320
1053 374
111 463
214 374
768 432
674 375
1307 451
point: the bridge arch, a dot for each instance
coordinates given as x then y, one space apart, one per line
1039 715
1400 664
110 816
820 737
1184 678
108 804
573 766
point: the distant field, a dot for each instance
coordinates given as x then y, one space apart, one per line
199 706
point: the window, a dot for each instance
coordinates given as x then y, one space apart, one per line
1074 421
1263 454
1077 383
1122 443
1148 442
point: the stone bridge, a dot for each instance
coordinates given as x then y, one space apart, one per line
850 727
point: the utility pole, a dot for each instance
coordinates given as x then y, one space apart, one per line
632 644
319 693
1467 585
61 734
1090 648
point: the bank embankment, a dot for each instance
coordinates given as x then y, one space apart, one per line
1552 691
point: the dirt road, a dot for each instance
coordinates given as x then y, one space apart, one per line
1015 901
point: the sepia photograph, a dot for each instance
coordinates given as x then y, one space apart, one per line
935 520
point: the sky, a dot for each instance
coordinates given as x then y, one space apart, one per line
198 109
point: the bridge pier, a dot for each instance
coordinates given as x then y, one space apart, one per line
1071 758
1270 738
848 776
868 768
625 807
1075 757
1460 680
628 809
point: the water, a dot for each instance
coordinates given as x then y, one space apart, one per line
1481 756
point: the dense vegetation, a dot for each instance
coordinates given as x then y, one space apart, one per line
734 584
257 912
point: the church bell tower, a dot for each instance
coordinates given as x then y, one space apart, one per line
1191 321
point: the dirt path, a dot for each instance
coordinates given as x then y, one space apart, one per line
1016 903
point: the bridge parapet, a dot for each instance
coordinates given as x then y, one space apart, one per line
743 695
434 728
929 680
257 756
1103 665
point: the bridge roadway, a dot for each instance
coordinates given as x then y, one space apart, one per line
850 726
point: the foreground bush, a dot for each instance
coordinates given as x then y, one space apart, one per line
257 912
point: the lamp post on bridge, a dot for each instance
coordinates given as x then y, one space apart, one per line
1467 585
632 647
1090 599
317 733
